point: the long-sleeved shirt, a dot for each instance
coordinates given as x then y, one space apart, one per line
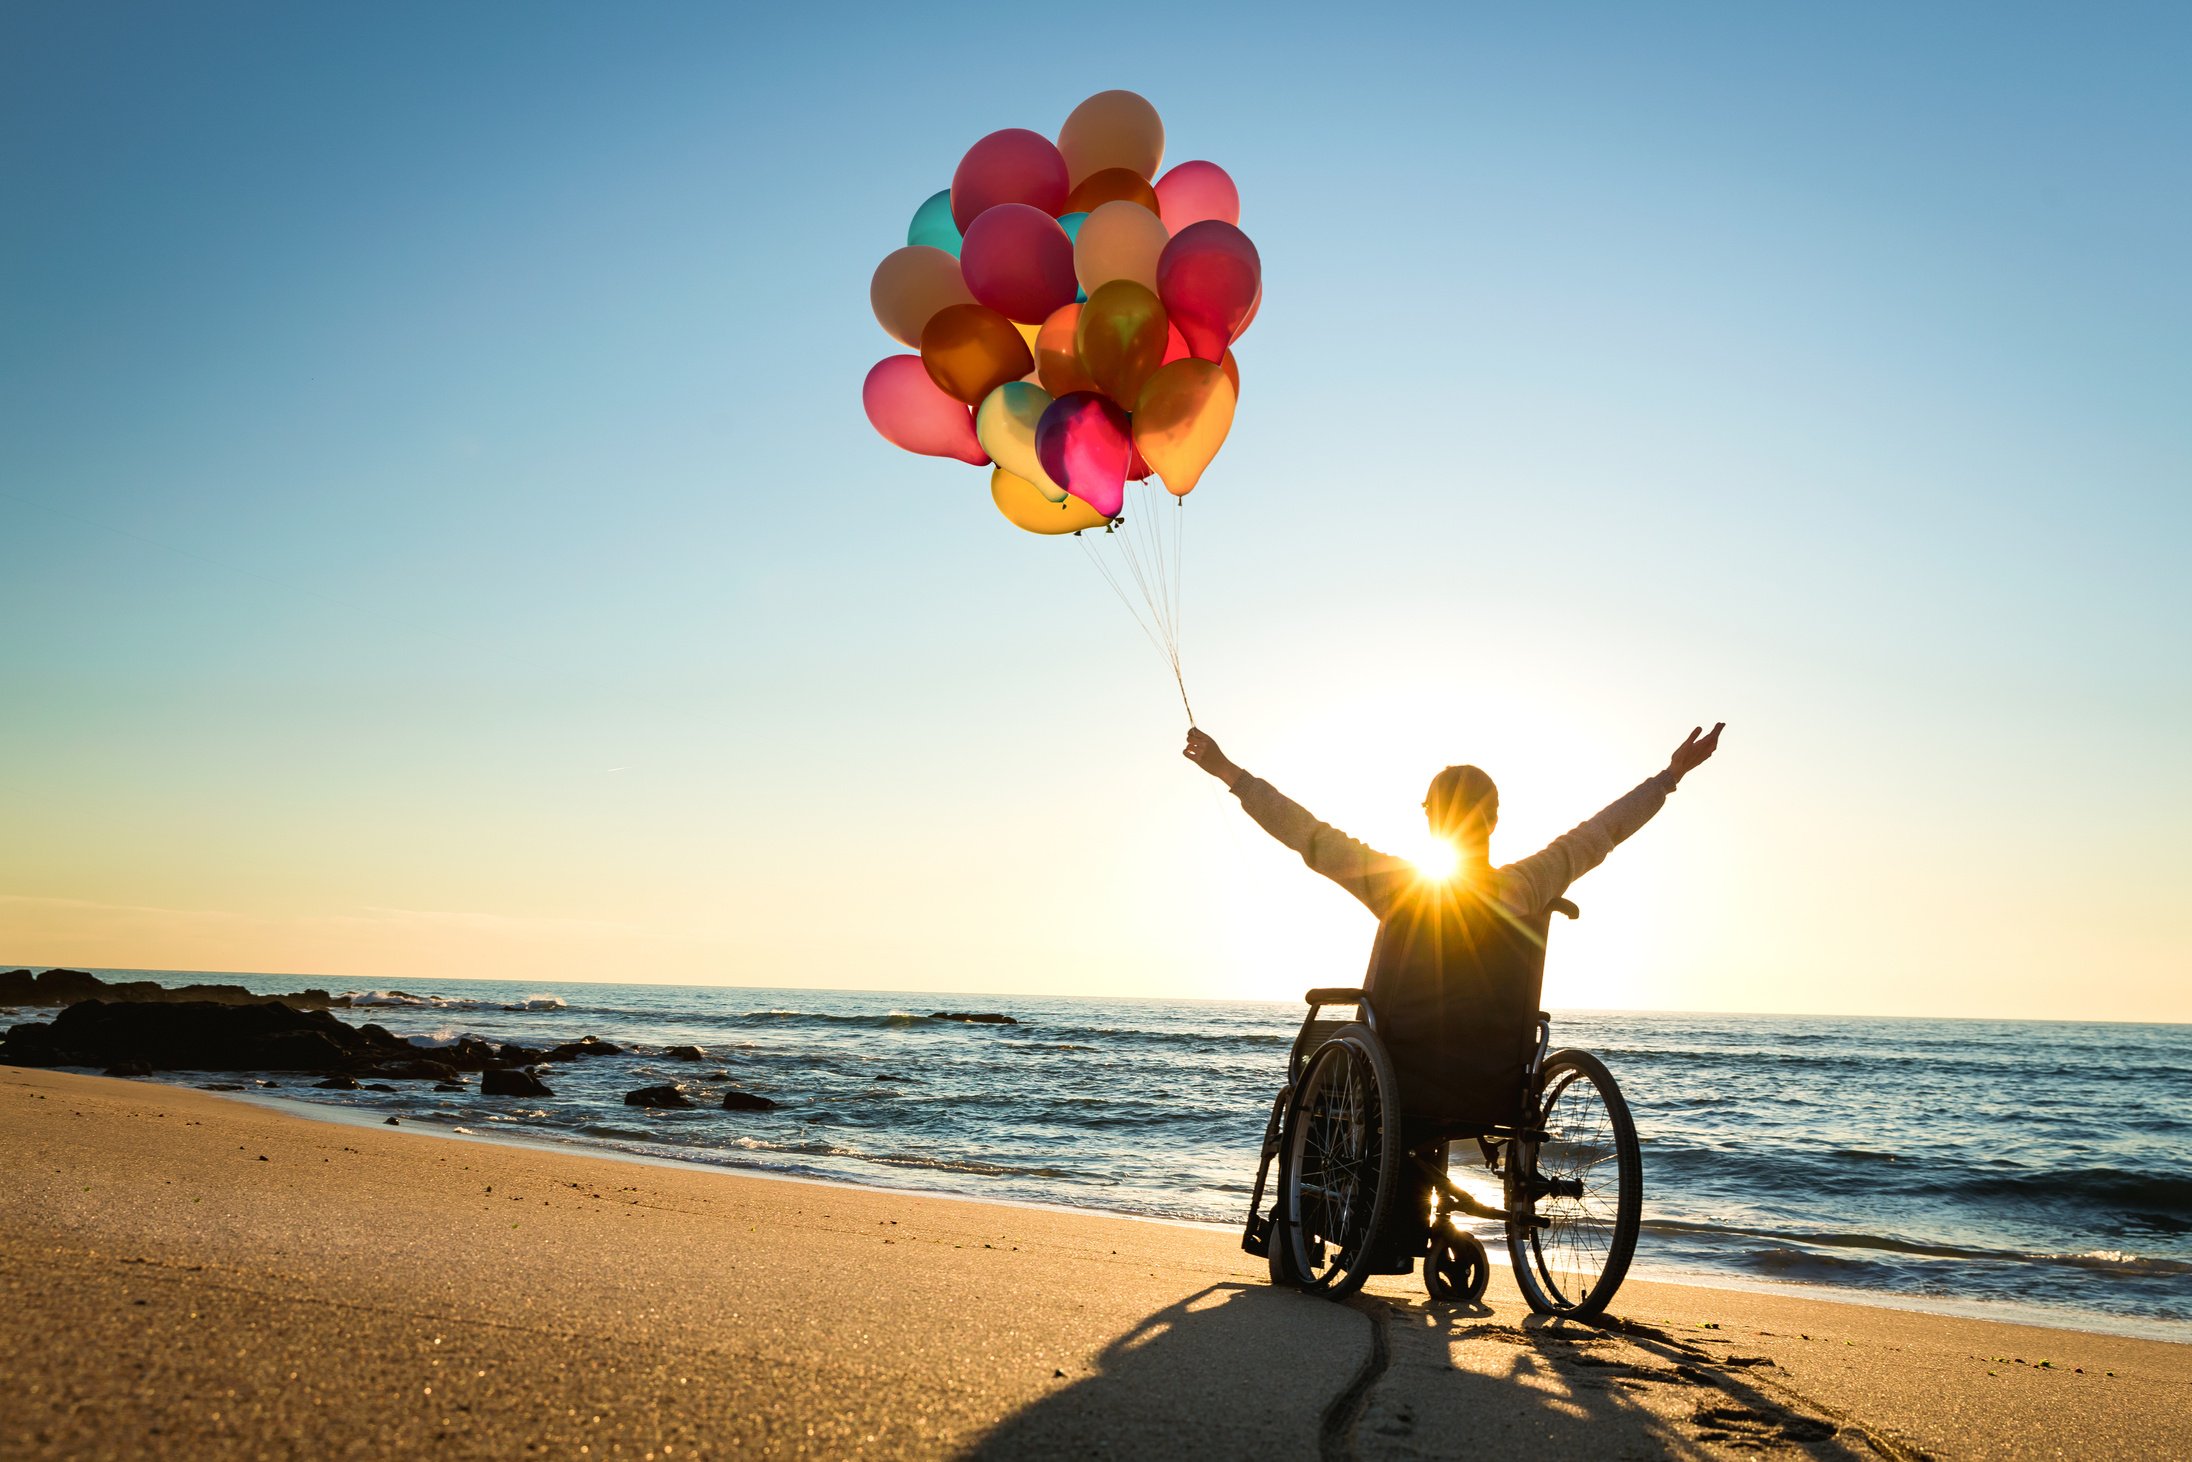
1524 888
1459 964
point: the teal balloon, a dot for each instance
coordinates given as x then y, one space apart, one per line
1071 223
932 225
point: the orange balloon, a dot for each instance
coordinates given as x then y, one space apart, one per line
1176 349
1180 421
1112 129
1120 240
1058 367
1024 506
1112 185
971 350
1120 338
910 286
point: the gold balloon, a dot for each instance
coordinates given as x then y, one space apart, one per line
971 350
1112 129
1024 506
1180 420
910 286
1112 185
1120 339
1120 240
1005 424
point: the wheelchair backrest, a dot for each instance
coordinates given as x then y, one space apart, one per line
1457 981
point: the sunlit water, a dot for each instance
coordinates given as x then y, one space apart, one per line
2046 1165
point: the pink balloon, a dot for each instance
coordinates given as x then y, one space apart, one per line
1019 262
912 411
1209 277
1012 166
1084 443
1194 192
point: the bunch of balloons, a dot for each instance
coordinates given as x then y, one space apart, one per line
1074 310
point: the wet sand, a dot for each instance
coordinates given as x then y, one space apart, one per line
190 1275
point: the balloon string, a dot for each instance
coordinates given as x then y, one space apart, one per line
1159 628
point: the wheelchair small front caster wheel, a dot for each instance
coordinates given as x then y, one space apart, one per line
1457 1268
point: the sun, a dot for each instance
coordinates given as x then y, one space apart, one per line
1435 859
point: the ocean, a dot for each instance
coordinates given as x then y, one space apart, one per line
2033 1170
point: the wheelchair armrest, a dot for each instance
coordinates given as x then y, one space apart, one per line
1564 906
1333 996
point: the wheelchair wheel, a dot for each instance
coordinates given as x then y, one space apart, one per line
1457 1268
1337 1164
1575 1198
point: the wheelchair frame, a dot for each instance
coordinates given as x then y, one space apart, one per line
1456 1265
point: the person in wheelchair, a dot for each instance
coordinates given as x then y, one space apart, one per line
1457 965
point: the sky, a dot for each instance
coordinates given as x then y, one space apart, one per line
439 536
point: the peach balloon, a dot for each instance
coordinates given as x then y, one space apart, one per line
1196 191
1112 129
1120 240
910 286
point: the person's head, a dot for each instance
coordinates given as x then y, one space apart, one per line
1462 806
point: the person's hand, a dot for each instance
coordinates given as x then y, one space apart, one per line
1204 752
1694 751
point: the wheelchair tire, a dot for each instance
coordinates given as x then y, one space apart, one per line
1457 1269
1338 1161
1574 1200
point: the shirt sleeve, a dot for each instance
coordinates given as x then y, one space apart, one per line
1375 878
1545 875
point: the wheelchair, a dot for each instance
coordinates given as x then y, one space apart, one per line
1362 1183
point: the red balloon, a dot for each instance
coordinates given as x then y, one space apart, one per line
1176 349
1019 262
1208 278
1084 443
911 411
1194 192
1012 166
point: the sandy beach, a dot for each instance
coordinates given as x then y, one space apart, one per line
192 1275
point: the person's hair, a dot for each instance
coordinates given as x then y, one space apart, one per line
1459 796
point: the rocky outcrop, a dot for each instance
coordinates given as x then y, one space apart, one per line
658 1096
685 1053
735 1100
970 1017
66 987
512 1083
210 1036
580 1049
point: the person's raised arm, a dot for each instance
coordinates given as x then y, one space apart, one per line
1547 874
1373 877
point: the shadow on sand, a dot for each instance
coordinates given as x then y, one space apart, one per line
1238 1370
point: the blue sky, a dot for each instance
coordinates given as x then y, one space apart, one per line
438 533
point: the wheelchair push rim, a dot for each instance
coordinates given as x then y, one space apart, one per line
1338 1161
1575 1196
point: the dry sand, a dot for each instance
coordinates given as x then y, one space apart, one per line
186 1275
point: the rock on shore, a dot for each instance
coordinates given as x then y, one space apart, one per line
200 1035
66 987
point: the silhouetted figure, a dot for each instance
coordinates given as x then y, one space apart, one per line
1456 972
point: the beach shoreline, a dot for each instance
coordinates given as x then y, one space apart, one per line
218 1277
2045 1317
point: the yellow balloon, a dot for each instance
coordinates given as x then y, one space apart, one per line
1112 129
1024 506
1005 425
1120 240
910 286
1180 420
